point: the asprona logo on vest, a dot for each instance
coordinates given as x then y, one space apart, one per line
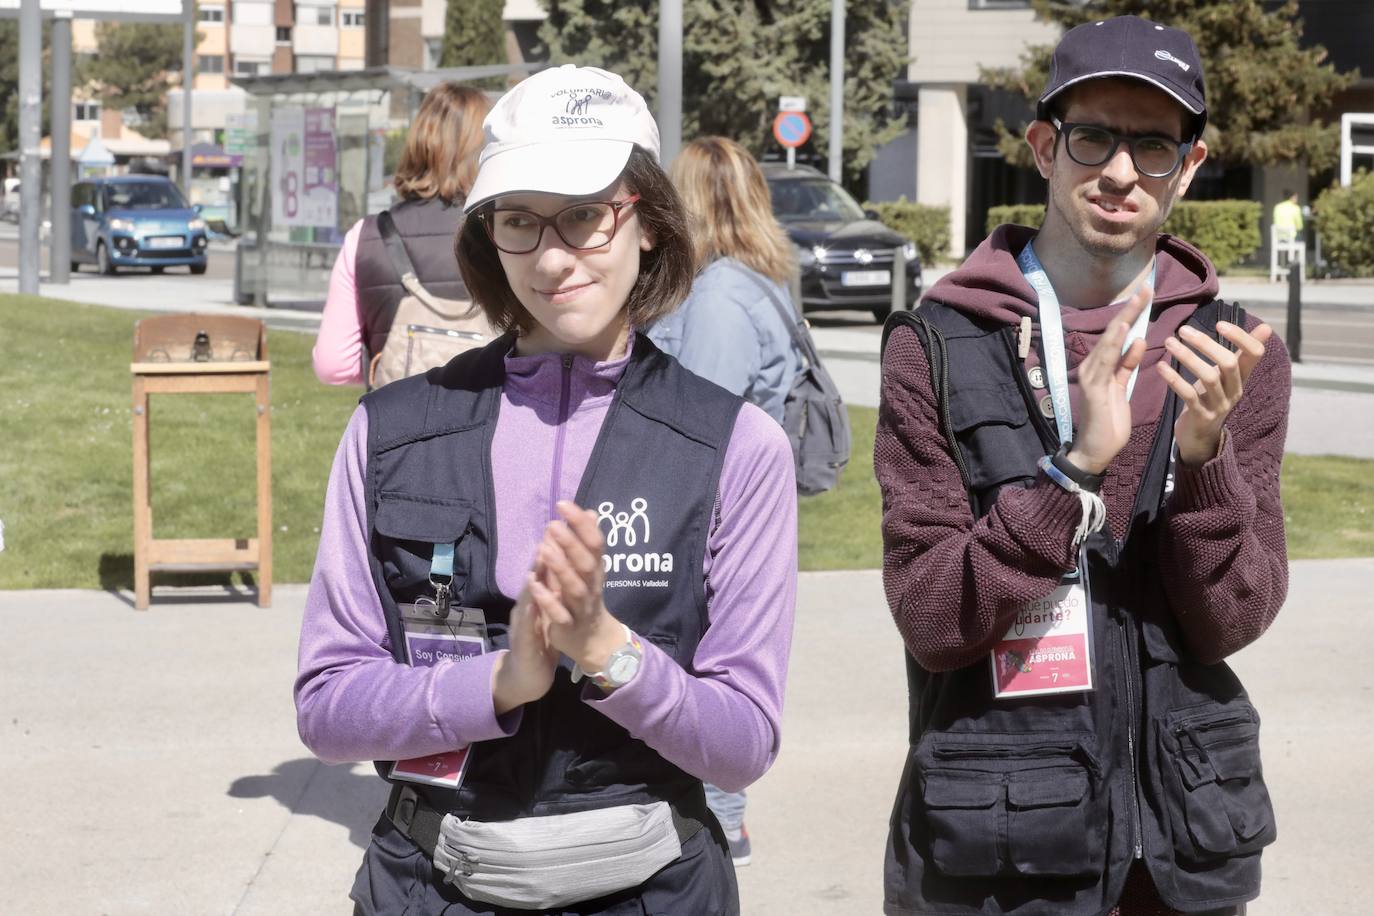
624 531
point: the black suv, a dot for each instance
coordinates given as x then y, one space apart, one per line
846 255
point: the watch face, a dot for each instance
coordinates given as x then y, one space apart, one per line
623 668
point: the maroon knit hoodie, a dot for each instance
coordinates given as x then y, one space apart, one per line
953 583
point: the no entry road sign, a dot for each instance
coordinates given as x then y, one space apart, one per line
792 128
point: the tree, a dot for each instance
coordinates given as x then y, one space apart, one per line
133 69
9 82
474 35
738 57
1262 86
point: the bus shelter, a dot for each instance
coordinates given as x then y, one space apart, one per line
319 150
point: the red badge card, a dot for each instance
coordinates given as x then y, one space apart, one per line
428 642
1046 648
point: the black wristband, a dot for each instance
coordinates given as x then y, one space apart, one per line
1090 482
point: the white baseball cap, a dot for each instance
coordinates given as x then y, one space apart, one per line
565 130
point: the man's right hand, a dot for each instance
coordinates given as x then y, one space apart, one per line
1104 424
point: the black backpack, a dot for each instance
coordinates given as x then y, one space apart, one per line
814 416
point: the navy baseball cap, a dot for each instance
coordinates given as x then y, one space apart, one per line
1131 47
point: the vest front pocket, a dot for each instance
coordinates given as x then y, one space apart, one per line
408 527
1018 805
1218 803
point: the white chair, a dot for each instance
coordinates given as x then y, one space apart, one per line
1286 247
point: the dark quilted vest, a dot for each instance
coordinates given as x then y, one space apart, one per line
1040 805
653 475
428 229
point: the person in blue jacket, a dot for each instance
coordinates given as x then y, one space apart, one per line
729 330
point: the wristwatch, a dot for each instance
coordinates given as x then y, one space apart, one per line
1090 482
621 667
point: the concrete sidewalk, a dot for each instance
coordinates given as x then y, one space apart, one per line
152 764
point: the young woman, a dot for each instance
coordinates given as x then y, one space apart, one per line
730 329
620 530
435 172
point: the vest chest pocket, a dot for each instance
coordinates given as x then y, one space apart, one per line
995 433
1016 807
407 527
1218 803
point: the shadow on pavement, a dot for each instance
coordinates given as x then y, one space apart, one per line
308 787
116 572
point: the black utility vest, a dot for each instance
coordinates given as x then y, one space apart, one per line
653 476
1040 805
428 230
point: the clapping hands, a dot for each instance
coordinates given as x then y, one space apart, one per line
560 610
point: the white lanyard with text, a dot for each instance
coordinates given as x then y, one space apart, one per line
1052 335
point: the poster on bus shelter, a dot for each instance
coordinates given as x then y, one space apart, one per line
305 163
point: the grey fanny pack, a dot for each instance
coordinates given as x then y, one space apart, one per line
547 861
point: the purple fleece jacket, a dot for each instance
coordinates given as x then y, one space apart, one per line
721 724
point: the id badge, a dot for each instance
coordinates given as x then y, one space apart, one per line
1046 649
431 639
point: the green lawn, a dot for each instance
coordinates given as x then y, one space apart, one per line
66 459
66 462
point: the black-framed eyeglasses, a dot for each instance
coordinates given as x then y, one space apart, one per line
1091 144
584 225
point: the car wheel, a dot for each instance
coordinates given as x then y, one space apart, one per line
76 267
158 270
881 312
197 268
103 264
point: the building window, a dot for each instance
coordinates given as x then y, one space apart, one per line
210 14
86 111
283 34
210 63
311 63
250 67
352 19
314 15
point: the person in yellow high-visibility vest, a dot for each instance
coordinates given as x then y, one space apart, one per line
1287 218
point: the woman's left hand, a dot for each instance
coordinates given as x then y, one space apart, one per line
568 590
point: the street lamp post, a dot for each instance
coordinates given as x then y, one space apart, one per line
836 89
60 121
30 135
669 80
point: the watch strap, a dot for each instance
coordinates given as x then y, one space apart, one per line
1090 482
601 678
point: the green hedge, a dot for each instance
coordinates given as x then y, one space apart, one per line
1345 219
1227 231
925 225
1018 214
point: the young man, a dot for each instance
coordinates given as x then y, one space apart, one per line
1078 528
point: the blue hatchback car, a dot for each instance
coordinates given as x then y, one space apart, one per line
135 221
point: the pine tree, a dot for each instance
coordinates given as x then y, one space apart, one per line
9 82
474 36
739 57
133 70
1262 86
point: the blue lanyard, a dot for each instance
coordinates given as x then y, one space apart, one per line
1052 333
441 577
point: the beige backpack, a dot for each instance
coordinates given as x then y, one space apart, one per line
428 330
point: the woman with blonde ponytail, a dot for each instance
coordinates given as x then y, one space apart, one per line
728 330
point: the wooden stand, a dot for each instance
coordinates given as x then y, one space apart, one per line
200 354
